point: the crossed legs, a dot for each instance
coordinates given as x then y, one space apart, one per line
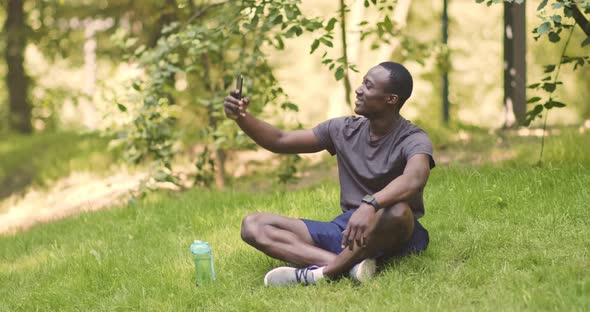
289 240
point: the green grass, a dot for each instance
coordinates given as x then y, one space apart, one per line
42 158
502 238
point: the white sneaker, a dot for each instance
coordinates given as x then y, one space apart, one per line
285 276
363 271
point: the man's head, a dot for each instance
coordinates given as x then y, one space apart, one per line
386 86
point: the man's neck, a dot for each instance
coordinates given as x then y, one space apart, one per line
382 125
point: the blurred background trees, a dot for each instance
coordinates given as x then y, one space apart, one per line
152 74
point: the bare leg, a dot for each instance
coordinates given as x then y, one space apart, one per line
393 227
283 238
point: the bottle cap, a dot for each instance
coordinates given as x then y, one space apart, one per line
200 247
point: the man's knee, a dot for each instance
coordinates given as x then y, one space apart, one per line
251 227
397 220
400 212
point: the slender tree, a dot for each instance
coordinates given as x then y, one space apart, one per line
16 79
514 63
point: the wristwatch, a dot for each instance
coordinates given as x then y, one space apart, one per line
369 199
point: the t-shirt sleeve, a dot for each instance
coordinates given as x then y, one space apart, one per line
323 134
418 143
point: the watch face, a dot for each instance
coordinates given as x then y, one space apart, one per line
368 198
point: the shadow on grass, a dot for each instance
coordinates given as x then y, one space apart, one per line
17 181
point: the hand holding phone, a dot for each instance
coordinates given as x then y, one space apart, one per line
234 105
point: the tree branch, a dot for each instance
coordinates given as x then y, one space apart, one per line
581 19
204 10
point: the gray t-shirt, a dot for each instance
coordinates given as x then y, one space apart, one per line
366 167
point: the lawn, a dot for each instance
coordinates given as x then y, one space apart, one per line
506 236
41 159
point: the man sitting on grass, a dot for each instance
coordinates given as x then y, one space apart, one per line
383 161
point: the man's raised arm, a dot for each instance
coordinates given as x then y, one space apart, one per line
266 135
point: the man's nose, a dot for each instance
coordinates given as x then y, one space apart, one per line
358 91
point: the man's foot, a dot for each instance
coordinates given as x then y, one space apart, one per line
284 276
363 271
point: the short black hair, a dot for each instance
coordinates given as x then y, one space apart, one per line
400 81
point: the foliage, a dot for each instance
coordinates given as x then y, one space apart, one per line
566 14
217 42
381 31
60 28
553 24
552 27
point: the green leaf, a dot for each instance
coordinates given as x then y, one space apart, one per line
367 3
549 87
278 20
331 24
533 99
136 86
543 28
556 18
556 5
139 50
314 45
388 24
280 44
290 13
542 5
534 86
122 107
327 42
339 74
558 104
554 37
549 68
290 106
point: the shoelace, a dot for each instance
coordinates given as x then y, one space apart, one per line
301 274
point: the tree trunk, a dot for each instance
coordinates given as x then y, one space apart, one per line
445 74
220 168
219 157
16 79
339 100
346 80
514 63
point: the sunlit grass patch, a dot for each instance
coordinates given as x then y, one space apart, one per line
502 238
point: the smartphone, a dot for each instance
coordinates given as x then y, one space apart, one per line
239 81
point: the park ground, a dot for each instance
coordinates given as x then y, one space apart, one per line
507 233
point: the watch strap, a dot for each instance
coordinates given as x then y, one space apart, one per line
370 199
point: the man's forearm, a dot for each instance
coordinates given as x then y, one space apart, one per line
400 189
264 134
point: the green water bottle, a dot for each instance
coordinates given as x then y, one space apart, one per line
203 257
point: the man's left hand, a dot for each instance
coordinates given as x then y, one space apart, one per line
359 226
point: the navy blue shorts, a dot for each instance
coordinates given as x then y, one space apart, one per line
328 236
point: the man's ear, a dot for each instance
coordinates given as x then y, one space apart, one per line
393 99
